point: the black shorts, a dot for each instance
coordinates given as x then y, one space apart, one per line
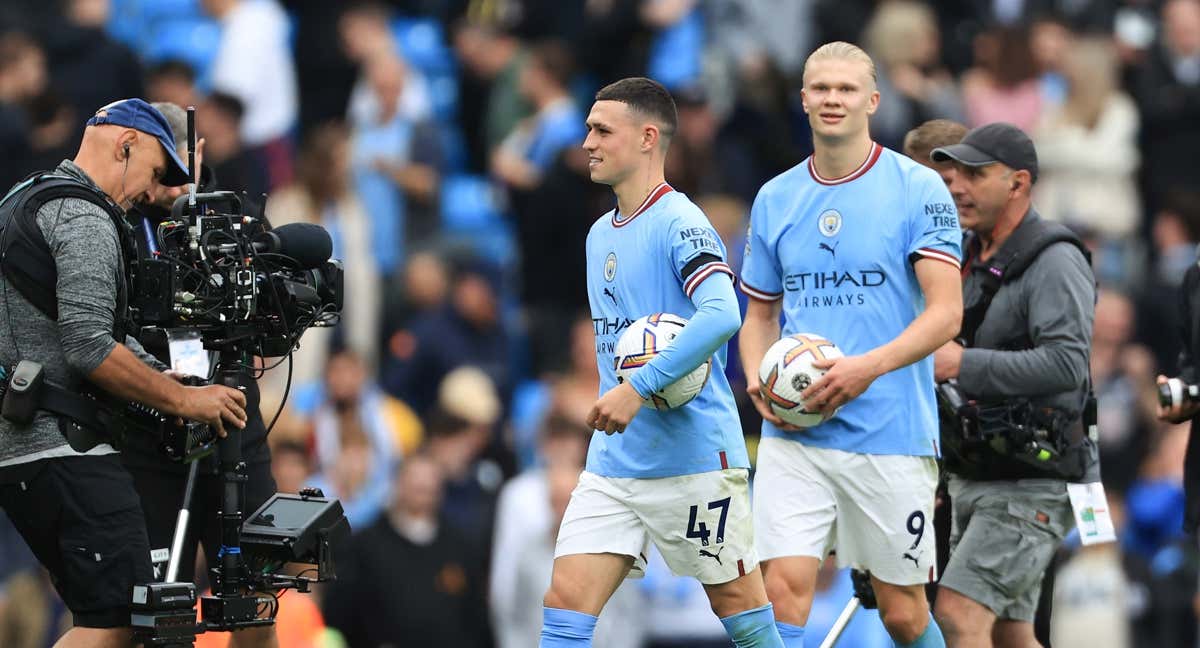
161 493
81 518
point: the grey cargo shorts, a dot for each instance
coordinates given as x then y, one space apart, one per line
1002 539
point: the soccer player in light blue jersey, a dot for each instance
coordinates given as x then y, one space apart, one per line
677 478
861 246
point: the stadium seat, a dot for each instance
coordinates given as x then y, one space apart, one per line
472 215
676 51
423 43
530 401
194 40
158 10
443 94
454 148
125 23
469 202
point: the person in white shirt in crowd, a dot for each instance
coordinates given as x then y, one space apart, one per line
1088 148
254 63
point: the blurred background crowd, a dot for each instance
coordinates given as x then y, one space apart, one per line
438 141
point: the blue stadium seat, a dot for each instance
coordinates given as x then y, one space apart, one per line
136 22
156 10
194 40
454 148
125 23
468 202
472 215
530 401
443 94
423 43
676 51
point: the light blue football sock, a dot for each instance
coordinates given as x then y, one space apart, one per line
566 629
931 638
792 635
753 628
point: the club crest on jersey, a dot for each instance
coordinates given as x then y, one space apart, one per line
830 222
610 266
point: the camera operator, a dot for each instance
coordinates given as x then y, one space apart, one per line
1019 391
1179 398
63 297
160 484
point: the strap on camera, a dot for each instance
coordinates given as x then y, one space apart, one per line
82 419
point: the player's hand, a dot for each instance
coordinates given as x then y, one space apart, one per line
844 380
754 388
947 361
1178 412
215 405
615 409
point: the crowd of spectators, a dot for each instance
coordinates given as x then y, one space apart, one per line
438 142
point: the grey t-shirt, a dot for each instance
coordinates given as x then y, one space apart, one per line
1053 303
87 254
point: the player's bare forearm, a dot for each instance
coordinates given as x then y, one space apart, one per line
760 329
941 320
850 376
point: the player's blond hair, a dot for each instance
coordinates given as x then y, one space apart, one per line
841 51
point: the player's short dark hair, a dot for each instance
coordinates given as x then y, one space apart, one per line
645 96
935 133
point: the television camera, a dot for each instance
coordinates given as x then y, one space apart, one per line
219 271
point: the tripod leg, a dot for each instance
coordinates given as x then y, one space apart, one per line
839 626
181 524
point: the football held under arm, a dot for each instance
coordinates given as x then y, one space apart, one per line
715 321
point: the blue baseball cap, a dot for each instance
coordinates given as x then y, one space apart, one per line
141 116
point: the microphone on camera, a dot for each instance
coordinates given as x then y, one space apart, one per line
307 244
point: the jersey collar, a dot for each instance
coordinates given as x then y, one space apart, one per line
661 190
876 151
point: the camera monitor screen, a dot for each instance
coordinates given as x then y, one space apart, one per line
286 512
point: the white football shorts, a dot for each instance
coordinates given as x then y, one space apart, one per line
700 523
874 511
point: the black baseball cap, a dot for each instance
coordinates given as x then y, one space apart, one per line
999 142
141 116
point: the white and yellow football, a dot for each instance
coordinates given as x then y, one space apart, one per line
645 338
787 370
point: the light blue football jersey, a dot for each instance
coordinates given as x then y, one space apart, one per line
649 262
840 254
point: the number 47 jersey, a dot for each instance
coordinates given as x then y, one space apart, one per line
840 253
651 261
